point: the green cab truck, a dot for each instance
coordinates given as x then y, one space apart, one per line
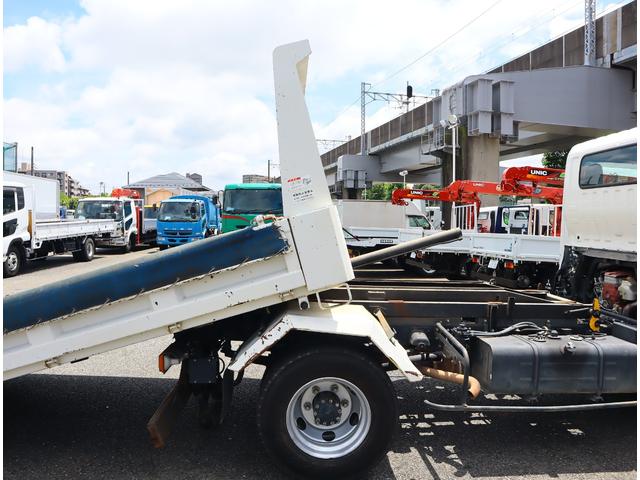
242 202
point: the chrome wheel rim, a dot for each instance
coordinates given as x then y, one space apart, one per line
328 417
12 261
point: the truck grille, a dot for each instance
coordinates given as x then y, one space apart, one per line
181 233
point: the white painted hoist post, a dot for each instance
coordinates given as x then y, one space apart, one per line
306 201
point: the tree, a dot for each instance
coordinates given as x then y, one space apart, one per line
555 159
67 201
64 199
382 191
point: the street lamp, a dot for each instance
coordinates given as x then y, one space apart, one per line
452 124
404 174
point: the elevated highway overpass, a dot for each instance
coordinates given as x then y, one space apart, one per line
544 100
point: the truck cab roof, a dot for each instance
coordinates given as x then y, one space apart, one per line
253 186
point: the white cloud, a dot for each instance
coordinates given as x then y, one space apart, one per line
36 43
156 86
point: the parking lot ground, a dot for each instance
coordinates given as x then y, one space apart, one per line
88 420
58 267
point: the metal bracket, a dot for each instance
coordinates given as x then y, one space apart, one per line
349 298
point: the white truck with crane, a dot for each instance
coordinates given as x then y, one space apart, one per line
327 406
32 228
517 246
126 209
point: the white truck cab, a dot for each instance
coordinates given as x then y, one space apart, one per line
15 223
28 236
599 239
122 210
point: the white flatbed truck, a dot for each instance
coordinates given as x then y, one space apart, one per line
327 406
520 260
32 231
370 225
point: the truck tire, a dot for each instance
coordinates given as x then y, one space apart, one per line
302 419
131 244
13 263
87 252
162 247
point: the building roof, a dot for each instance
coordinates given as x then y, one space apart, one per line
169 180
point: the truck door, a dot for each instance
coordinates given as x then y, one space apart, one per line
128 218
204 220
14 217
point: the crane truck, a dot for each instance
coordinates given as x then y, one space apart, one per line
125 207
286 291
520 247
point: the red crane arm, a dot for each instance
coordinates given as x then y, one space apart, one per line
512 177
468 191
124 192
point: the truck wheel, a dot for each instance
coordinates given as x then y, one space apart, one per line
327 412
87 252
13 263
131 244
163 247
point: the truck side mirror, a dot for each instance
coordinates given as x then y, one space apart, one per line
193 211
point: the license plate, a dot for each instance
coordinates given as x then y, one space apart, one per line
493 263
386 240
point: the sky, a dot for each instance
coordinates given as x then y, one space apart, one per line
100 88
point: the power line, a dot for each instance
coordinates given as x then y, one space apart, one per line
511 37
410 64
342 112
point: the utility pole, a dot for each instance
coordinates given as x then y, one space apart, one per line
363 105
269 171
367 96
32 160
128 179
590 32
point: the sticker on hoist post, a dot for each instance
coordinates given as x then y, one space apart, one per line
301 189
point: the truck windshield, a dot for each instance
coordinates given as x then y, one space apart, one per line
261 201
98 210
418 221
178 212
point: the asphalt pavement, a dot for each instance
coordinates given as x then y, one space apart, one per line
87 421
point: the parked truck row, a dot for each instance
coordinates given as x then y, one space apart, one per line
287 291
32 228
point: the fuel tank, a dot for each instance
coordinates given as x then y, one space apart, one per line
557 364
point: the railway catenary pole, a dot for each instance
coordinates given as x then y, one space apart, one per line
590 32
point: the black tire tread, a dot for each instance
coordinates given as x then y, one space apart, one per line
356 463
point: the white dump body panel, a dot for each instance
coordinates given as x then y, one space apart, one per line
46 193
602 217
